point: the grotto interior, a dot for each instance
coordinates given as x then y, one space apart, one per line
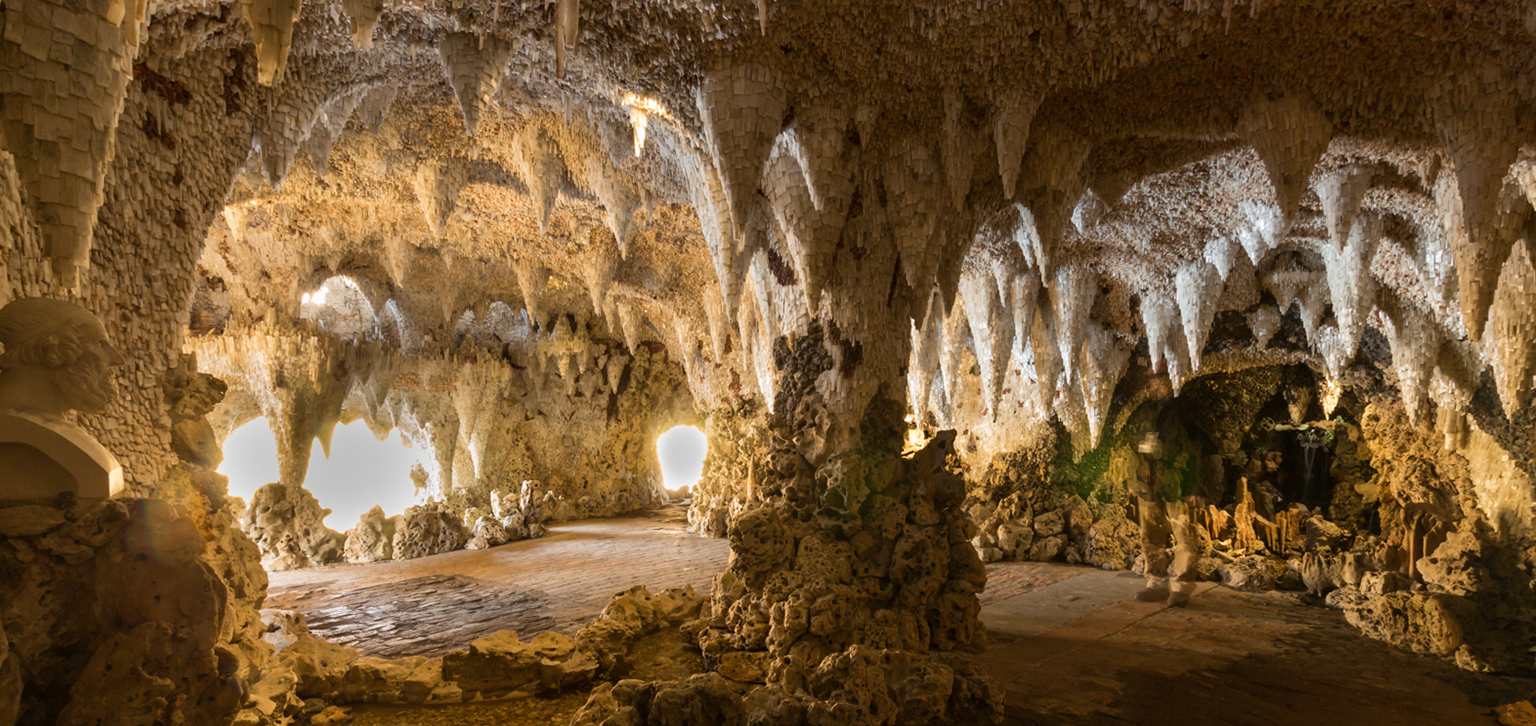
1060 361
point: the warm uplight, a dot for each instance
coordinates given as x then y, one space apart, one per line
681 452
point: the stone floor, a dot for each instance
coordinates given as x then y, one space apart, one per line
1071 645
431 605
1083 650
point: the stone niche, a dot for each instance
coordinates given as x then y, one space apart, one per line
38 461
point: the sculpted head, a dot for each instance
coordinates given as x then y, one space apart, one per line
54 357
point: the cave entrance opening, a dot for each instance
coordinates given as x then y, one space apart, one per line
362 471
681 451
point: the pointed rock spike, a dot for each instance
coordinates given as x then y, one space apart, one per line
742 109
1015 111
1290 135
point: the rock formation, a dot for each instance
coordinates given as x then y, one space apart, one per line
802 223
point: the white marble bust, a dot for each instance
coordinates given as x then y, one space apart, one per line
54 358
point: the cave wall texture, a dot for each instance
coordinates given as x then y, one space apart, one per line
529 236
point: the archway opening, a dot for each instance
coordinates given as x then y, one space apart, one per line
681 451
362 471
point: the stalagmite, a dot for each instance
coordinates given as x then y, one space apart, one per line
365 17
272 23
742 109
1512 323
538 161
474 65
1015 110
1290 134
1477 120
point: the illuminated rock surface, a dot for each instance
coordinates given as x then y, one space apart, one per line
914 268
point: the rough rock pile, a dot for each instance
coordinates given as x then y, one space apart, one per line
373 539
428 529
851 588
126 611
287 524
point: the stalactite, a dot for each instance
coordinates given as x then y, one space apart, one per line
1073 291
1197 287
1512 322
531 279
365 18
437 184
474 65
1014 113
538 160
1050 183
959 147
272 23
1477 121
1290 134
567 31
61 93
742 110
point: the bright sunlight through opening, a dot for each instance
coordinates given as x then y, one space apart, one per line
362 471
681 452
